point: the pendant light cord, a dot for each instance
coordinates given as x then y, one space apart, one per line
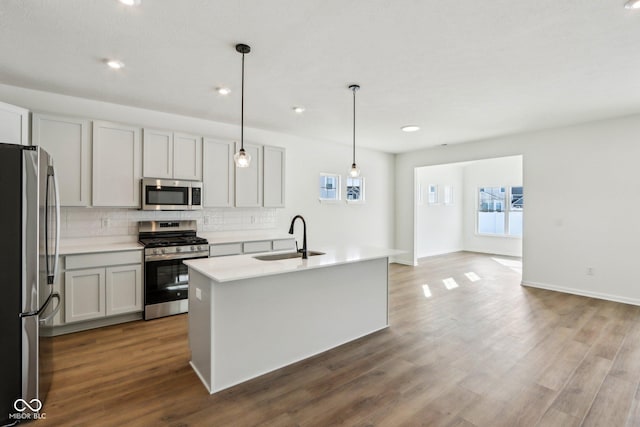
354 125
242 109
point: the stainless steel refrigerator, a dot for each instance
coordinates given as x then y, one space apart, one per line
29 226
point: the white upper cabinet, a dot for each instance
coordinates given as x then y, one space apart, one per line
172 155
67 140
157 154
14 124
187 156
117 164
274 168
218 173
249 180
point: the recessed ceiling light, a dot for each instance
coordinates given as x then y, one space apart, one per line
298 110
131 2
632 4
410 128
223 90
116 65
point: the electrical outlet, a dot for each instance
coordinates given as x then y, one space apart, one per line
590 271
198 294
253 219
206 220
106 222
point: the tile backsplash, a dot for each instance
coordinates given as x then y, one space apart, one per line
89 222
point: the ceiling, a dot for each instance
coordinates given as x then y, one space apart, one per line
461 70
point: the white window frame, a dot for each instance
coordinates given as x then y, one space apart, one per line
338 197
362 190
507 209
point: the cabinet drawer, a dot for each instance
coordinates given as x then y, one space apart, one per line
252 247
102 259
282 245
225 249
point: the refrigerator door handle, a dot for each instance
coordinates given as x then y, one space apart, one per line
52 273
55 311
38 312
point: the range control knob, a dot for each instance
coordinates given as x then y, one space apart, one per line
164 251
193 249
178 249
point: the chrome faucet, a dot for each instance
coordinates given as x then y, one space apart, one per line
304 235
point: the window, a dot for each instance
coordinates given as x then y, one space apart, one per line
500 210
329 187
355 189
432 194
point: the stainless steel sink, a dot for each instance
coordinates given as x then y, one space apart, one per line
286 255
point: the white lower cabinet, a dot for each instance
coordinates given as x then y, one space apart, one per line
108 290
84 293
251 247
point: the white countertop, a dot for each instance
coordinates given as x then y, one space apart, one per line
230 268
217 237
127 243
98 244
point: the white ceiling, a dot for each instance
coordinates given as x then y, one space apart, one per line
462 70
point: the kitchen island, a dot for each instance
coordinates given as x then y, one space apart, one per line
248 317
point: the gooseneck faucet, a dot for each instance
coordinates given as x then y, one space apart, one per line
304 235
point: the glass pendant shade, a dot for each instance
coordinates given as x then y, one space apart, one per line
242 159
355 171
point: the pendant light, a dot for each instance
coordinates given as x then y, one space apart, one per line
355 171
241 158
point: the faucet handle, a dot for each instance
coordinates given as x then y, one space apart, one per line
297 250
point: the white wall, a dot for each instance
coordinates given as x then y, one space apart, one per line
580 184
439 227
504 171
368 224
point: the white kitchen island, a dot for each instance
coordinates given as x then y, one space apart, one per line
248 317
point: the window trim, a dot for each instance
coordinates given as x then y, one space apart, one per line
338 198
362 198
507 210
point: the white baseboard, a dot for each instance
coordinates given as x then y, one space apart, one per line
581 292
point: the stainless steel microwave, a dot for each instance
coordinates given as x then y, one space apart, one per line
170 195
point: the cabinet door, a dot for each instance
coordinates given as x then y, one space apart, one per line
84 292
187 156
274 167
218 173
157 154
124 289
117 165
67 140
249 180
14 124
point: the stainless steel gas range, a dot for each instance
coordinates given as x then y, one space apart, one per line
166 278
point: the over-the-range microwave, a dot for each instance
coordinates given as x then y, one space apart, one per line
170 195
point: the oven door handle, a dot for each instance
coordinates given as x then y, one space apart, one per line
169 257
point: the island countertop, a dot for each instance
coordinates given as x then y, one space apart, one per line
238 267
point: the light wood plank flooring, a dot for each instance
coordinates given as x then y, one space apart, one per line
476 350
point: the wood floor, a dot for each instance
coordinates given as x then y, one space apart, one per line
476 350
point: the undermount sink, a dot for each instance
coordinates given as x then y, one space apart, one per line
286 255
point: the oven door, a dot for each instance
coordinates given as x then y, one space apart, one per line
166 280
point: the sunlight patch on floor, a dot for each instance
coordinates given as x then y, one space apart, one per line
473 277
514 264
426 290
450 283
